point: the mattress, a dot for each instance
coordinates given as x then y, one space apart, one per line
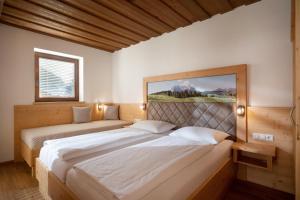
61 154
177 186
35 137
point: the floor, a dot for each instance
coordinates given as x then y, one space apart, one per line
16 183
241 190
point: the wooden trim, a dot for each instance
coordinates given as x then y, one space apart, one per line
296 9
43 114
60 58
239 70
214 188
42 177
217 185
28 154
57 190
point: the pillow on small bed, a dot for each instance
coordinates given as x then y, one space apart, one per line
111 112
201 134
81 115
153 126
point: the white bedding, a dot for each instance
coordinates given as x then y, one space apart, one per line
61 154
35 137
132 172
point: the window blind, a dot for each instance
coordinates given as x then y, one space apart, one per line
56 78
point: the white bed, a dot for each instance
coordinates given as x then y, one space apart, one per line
35 137
177 180
60 155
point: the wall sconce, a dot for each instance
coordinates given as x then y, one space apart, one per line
240 110
143 106
100 106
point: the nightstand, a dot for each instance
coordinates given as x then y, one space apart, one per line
254 155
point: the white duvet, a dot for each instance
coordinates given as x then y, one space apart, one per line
132 172
83 145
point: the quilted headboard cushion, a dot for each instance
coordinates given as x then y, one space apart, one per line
220 116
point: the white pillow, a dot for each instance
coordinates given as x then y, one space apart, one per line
111 112
81 115
201 134
153 126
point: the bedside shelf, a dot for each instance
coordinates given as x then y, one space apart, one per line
254 155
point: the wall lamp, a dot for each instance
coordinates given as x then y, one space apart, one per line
100 106
142 106
240 110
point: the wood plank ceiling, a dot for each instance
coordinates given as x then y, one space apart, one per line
110 24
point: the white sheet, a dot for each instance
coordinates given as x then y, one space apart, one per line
177 187
35 137
132 172
61 154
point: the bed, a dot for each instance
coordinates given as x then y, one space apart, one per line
194 180
59 155
32 139
185 169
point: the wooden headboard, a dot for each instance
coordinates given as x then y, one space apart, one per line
44 114
179 112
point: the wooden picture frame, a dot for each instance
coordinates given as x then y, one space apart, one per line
39 55
241 87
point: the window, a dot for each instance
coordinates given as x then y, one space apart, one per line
56 78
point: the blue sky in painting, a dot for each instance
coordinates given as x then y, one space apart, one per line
200 84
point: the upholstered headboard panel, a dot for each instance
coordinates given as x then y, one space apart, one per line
220 116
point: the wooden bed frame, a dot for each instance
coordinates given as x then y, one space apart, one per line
214 188
39 115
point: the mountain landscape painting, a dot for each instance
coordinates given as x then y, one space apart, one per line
203 89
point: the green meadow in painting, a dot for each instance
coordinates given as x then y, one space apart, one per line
203 89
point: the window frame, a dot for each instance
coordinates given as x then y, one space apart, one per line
39 55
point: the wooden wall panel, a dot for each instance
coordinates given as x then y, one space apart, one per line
275 121
44 114
131 111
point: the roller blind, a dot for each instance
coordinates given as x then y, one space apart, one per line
57 78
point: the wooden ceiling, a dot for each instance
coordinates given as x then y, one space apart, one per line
110 24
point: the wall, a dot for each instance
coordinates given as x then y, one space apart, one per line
17 75
257 35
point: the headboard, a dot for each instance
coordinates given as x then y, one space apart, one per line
205 98
220 116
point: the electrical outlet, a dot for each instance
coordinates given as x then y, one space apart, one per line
263 137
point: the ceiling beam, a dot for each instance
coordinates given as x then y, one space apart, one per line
55 33
112 16
133 12
60 18
60 27
162 11
78 14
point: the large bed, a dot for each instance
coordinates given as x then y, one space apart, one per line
58 156
156 169
176 181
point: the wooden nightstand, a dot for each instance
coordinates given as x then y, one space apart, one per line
254 155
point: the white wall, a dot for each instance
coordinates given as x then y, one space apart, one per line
258 35
17 75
